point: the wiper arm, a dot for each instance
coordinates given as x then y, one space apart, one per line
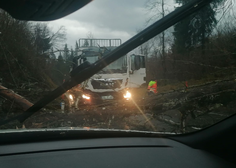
88 71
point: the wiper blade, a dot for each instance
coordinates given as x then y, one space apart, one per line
87 72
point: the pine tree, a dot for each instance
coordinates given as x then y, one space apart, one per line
76 49
195 29
66 53
42 40
86 43
60 58
72 55
52 54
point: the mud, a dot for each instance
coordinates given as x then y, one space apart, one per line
178 111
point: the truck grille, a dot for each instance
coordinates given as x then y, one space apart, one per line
106 84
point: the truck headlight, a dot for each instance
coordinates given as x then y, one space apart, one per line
71 97
86 97
127 95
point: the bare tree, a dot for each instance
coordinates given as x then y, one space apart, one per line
45 38
158 9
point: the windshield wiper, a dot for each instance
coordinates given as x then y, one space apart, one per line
86 71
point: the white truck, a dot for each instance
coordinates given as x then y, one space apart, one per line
114 80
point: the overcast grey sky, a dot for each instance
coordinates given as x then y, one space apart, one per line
105 19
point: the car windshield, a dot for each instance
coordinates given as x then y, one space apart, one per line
182 80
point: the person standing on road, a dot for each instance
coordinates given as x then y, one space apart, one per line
152 87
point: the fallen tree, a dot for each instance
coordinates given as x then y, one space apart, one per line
215 100
20 101
173 111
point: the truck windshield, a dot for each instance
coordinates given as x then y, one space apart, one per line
95 48
119 66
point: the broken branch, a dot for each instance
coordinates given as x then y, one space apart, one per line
19 100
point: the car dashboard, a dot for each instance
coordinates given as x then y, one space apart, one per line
107 152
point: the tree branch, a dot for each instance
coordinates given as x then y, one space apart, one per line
19 100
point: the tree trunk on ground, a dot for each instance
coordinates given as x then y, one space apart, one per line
199 106
19 100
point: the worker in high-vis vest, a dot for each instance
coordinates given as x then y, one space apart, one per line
152 87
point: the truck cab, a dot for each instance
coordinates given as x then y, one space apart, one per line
110 83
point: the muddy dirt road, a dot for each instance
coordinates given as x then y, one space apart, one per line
174 111
126 116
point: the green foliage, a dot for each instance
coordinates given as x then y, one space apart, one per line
26 53
86 43
72 55
195 29
76 48
42 39
66 53
204 44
